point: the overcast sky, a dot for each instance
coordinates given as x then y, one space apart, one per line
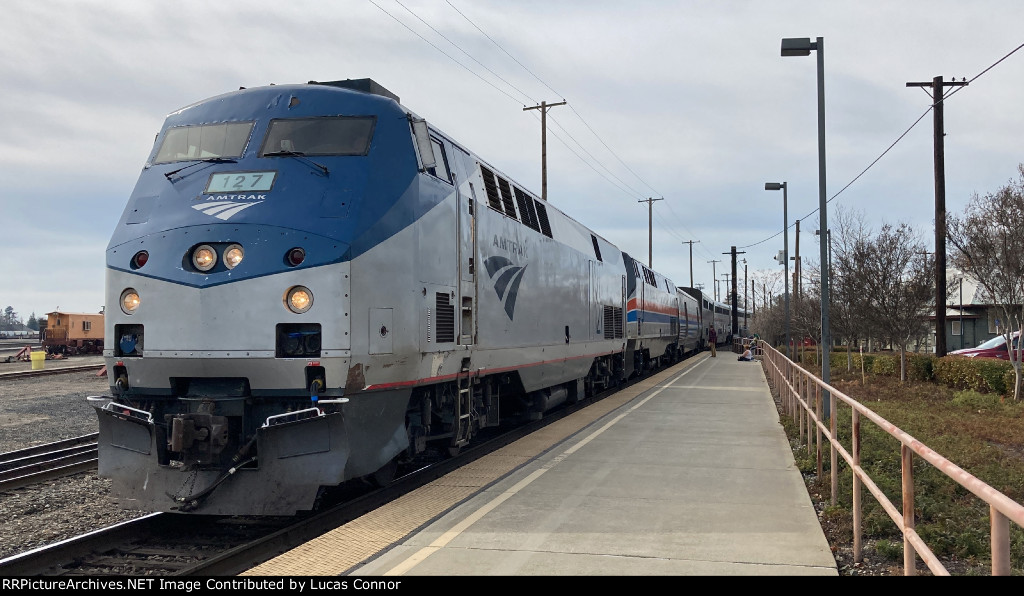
686 101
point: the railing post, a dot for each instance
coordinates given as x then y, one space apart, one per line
907 466
858 514
807 408
833 421
1000 542
799 411
817 429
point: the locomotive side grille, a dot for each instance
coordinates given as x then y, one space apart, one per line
612 322
597 248
506 197
542 215
492 189
445 318
526 211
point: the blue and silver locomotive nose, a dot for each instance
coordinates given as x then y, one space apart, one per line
228 297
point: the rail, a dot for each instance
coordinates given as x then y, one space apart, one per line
798 388
45 462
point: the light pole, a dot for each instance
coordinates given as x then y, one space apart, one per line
802 46
828 237
785 251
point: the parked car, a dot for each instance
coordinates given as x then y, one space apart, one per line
992 348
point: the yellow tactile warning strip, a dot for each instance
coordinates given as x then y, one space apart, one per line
344 547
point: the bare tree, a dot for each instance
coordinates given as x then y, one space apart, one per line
769 317
899 281
851 309
989 246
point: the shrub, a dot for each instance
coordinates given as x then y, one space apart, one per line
886 365
974 400
891 550
869 362
920 367
985 375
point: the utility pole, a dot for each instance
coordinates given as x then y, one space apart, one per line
940 208
544 107
650 231
746 290
691 243
797 276
735 310
714 278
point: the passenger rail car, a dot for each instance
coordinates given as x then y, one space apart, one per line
310 284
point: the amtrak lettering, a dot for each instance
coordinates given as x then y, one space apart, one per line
506 278
223 207
509 245
220 197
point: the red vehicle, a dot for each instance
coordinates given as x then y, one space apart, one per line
992 348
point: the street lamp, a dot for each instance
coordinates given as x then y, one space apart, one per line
802 46
785 250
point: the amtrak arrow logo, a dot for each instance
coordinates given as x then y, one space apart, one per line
223 209
506 278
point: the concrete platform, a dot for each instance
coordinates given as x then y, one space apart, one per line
692 476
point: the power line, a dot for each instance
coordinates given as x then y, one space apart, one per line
571 107
463 51
921 117
471 71
482 32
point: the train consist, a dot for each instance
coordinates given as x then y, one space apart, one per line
310 284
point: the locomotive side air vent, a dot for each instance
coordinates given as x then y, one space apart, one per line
364 85
542 215
445 318
492 189
506 197
612 322
527 212
597 248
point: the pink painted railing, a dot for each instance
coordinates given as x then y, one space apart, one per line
800 393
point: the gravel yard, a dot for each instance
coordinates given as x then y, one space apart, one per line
45 409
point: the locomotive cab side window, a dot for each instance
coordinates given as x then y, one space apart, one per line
331 135
440 169
203 141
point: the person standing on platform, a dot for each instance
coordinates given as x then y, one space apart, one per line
713 340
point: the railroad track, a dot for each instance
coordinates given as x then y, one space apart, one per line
50 371
44 462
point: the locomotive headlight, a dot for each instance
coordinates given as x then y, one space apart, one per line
129 301
299 299
233 256
204 257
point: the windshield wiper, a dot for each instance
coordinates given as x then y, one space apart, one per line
301 156
198 161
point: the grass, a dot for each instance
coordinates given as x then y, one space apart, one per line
981 433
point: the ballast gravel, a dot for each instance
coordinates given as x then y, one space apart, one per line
39 410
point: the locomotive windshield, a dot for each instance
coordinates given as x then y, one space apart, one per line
336 135
204 141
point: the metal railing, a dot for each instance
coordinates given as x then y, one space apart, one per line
801 397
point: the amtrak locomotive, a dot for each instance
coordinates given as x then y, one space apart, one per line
311 284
